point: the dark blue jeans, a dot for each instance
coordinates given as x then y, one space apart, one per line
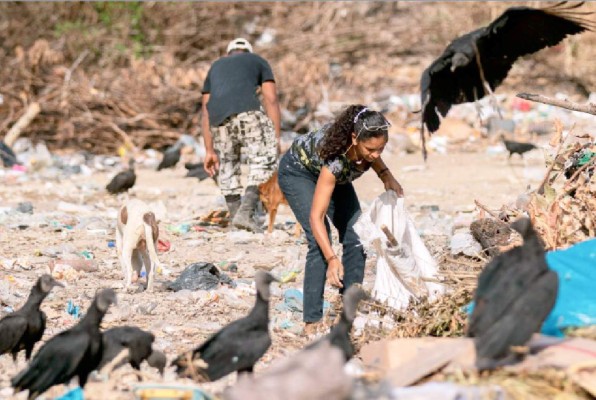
298 185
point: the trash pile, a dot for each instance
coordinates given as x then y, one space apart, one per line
565 211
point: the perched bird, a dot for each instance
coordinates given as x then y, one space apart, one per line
171 156
74 352
516 292
138 343
340 333
25 327
123 180
7 155
514 147
237 346
474 64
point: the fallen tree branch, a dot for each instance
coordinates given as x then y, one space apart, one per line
588 108
23 122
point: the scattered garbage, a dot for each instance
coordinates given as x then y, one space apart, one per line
180 228
200 276
73 310
25 207
163 245
464 243
293 301
73 394
162 392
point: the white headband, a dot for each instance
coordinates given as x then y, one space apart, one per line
360 112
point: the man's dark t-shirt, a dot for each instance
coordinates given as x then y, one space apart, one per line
232 82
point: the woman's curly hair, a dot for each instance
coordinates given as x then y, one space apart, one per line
355 118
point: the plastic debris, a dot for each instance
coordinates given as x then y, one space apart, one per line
73 310
111 244
162 392
294 301
180 228
464 243
73 394
163 245
200 276
403 261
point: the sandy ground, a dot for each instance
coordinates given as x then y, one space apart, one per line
73 215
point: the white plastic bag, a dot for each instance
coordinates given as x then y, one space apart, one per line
405 270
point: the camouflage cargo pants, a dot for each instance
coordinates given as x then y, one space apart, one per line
254 131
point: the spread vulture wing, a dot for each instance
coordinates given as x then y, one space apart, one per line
455 76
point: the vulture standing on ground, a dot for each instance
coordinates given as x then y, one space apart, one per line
237 346
455 77
123 180
516 292
196 170
25 327
514 147
7 155
138 343
74 352
340 333
171 156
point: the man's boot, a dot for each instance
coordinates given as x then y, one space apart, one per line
244 217
233 203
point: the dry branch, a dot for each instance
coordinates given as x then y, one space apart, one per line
588 108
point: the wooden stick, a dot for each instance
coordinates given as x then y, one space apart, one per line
588 108
390 237
483 207
15 131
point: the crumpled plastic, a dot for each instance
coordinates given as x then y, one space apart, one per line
403 271
200 276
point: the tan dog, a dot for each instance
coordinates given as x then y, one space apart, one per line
271 195
136 238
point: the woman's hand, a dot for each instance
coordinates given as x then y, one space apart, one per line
335 272
392 184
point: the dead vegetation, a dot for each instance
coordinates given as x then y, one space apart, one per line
106 72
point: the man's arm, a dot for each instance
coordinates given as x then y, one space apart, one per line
211 160
205 124
272 107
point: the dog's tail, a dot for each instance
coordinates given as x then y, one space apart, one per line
151 235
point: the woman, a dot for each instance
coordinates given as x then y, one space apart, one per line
316 177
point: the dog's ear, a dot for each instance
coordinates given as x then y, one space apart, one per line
149 218
124 215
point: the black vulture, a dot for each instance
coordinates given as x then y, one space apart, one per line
171 156
455 77
123 180
340 333
196 170
138 343
74 352
7 155
514 147
237 346
516 292
25 327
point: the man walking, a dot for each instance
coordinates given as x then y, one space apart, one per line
233 118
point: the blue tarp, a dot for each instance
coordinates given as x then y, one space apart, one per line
576 297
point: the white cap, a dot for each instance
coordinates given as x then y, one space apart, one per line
239 44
